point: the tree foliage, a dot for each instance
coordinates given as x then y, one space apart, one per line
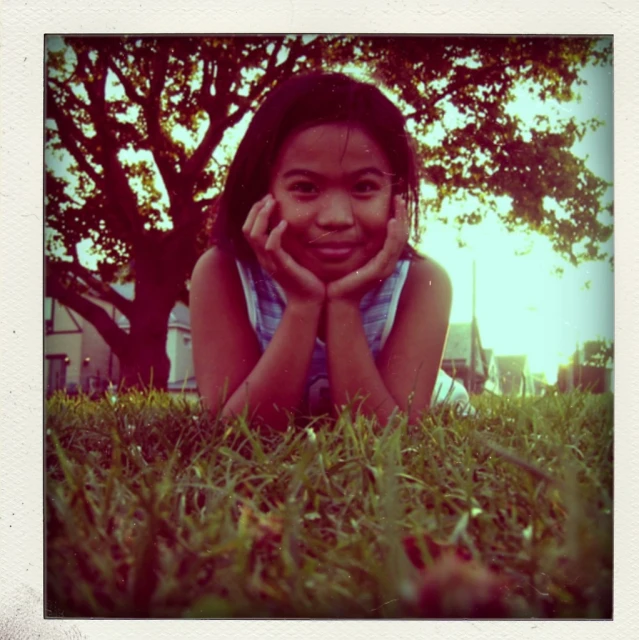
137 140
599 353
473 146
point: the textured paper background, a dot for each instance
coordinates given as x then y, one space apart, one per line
23 25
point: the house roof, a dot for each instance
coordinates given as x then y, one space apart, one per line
458 342
488 354
458 346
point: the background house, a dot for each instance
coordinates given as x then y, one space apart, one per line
514 376
582 374
463 350
492 383
540 383
78 358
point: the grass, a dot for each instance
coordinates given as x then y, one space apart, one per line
154 509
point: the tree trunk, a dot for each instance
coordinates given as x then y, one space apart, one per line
146 363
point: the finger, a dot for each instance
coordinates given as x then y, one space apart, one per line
402 229
253 213
250 218
260 225
401 214
393 243
384 262
274 241
274 246
277 258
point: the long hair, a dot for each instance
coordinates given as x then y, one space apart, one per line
298 103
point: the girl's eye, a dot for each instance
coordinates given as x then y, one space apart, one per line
303 187
366 187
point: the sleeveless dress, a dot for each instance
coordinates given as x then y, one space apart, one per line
266 301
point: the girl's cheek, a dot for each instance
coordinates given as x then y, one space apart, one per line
377 218
298 215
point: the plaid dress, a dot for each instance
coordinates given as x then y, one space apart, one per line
266 301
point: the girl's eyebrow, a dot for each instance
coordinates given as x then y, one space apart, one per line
308 173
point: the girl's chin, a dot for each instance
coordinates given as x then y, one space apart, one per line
334 267
331 272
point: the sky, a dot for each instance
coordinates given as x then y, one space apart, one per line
522 306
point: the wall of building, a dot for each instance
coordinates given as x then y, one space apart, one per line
492 382
99 364
91 363
178 347
65 340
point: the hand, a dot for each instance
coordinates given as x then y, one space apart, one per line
354 285
299 284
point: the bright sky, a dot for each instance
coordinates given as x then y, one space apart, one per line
522 308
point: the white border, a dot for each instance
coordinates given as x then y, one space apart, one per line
23 26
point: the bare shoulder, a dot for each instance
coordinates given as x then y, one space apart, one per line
412 354
215 285
220 326
427 282
213 263
215 272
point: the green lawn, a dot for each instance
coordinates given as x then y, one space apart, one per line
155 510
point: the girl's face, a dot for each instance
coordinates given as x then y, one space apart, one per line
333 185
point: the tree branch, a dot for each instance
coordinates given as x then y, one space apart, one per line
69 135
152 113
115 337
460 81
128 87
158 77
214 134
206 99
100 289
119 190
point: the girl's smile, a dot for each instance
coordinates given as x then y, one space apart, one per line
333 185
319 200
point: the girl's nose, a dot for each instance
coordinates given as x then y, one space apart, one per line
336 210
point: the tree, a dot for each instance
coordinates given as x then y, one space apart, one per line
124 170
458 93
599 353
136 129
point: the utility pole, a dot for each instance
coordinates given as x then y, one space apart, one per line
471 375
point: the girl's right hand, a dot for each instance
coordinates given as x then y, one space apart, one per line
299 284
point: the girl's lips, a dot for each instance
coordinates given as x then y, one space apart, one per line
333 252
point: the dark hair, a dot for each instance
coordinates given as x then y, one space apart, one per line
301 102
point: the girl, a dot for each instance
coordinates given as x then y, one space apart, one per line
311 296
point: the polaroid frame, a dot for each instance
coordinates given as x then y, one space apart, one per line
21 490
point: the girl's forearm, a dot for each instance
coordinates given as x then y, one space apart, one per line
351 366
276 383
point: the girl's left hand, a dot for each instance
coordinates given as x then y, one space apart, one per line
353 286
